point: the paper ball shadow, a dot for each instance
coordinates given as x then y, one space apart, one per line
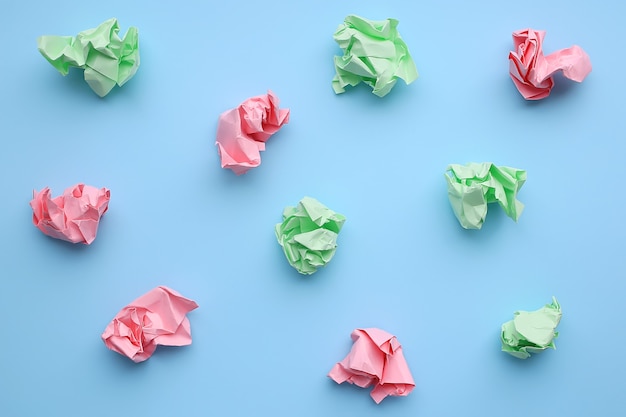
74 84
69 247
363 93
228 176
529 364
162 353
353 392
121 363
290 273
563 89
66 246
494 221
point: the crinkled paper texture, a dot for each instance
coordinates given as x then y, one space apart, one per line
532 72
73 216
243 131
156 318
376 359
308 234
106 58
373 53
473 186
531 332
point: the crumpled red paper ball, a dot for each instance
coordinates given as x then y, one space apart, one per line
243 131
73 216
376 359
532 72
156 318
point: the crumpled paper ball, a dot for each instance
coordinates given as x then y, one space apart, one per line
308 234
243 131
373 53
376 359
106 59
73 216
156 318
473 186
531 331
532 72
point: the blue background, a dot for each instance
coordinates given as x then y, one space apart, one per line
265 337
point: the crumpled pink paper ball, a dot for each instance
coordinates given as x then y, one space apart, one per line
376 359
156 318
243 131
532 72
73 216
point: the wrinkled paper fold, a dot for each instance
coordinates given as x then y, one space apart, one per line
243 131
308 234
531 331
73 216
532 71
376 359
473 186
156 318
373 53
107 59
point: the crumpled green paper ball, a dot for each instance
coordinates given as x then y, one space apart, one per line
373 53
531 331
308 234
106 59
473 186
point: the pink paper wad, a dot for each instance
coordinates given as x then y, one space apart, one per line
376 359
243 131
73 216
156 318
532 72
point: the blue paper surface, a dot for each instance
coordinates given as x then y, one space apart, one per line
264 337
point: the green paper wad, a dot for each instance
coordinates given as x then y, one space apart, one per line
308 234
106 59
531 331
373 53
473 186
